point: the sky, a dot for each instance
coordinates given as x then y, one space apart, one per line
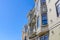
13 16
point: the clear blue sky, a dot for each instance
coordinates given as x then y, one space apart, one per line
12 18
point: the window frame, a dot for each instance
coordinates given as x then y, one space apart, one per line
57 5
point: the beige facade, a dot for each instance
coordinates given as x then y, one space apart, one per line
53 19
24 36
44 20
25 33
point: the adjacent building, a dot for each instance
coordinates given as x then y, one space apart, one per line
44 20
25 33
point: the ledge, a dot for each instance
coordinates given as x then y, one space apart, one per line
33 35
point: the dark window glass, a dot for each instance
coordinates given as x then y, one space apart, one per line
44 19
25 38
46 37
42 38
44 22
43 1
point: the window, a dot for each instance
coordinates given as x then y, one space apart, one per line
38 22
42 38
43 1
44 19
25 38
45 37
58 8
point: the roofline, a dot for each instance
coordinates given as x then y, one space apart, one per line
30 12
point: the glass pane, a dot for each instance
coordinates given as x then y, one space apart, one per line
44 22
42 38
43 0
44 19
46 37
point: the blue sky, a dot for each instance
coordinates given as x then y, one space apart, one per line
13 16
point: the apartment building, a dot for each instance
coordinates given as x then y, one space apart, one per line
44 20
38 25
25 33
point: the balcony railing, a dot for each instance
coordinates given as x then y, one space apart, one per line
43 30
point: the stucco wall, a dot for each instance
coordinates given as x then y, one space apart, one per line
54 34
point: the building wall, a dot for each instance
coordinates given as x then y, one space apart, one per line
25 32
54 33
53 20
24 35
52 15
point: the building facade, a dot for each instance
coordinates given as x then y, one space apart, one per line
54 19
44 20
25 33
